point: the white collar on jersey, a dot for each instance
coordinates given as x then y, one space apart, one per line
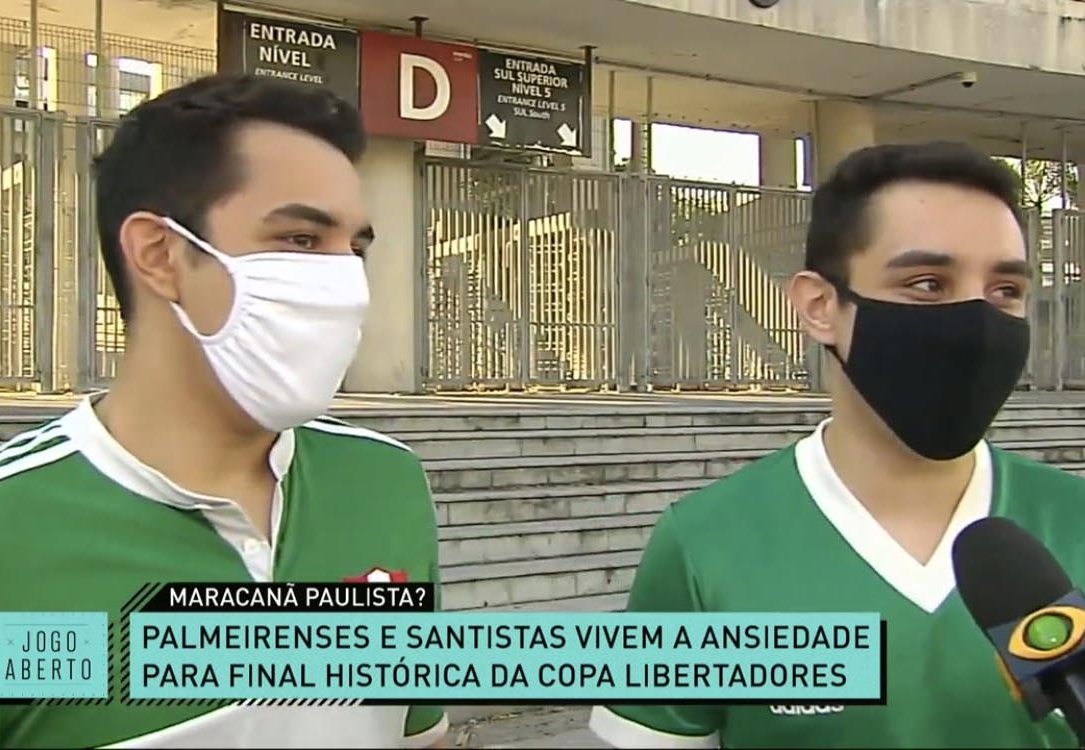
112 459
926 586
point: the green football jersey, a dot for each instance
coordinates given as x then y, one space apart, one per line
84 524
784 534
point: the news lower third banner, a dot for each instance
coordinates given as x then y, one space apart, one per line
382 643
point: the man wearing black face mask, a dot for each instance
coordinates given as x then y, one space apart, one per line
916 283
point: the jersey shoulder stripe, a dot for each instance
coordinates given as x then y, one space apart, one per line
42 443
334 426
26 437
32 441
36 447
48 452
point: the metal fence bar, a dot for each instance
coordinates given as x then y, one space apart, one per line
528 277
46 156
109 334
523 246
1058 311
1074 327
633 323
606 280
732 236
86 253
1032 377
20 267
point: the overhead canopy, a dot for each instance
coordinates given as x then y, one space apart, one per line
705 71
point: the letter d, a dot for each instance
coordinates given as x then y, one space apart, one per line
439 105
499 676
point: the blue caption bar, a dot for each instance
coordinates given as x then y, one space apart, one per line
534 657
54 655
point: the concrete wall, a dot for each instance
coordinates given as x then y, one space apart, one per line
1044 35
387 360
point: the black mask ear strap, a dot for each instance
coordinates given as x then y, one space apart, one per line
844 291
846 294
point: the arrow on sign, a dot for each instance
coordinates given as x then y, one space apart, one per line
567 135
496 126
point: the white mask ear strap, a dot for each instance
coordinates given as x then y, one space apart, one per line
186 321
207 247
221 257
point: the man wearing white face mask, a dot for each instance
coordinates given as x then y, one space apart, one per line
233 228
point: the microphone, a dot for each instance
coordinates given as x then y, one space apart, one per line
1026 605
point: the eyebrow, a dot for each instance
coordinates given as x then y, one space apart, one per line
1013 268
315 215
915 258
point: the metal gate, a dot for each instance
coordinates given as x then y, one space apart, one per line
532 277
1058 311
56 303
101 330
718 260
29 153
521 276
525 284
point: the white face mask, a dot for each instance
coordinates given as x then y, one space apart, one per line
291 334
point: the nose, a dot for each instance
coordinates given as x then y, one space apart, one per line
970 288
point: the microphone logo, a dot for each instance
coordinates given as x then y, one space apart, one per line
1048 633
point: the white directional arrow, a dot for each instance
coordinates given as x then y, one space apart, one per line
496 126
567 135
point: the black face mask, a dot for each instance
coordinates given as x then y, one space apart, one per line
937 375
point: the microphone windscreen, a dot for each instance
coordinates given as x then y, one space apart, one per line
1004 573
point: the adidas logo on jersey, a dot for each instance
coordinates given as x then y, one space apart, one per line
805 710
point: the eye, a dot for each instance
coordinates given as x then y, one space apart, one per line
303 241
1010 291
927 285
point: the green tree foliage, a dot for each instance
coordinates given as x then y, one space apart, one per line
1043 182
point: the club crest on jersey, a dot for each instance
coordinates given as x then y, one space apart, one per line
378 575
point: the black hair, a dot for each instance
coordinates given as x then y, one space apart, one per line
172 154
839 222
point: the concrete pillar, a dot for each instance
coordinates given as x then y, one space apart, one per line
388 359
839 129
107 82
640 147
73 78
8 53
777 158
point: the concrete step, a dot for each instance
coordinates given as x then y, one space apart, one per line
498 506
598 418
536 540
596 413
575 578
463 474
412 427
538 443
413 422
522 727
594 603
537 581
600 411
603 468
558 442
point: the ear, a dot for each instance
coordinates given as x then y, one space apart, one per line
153 253
815 301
